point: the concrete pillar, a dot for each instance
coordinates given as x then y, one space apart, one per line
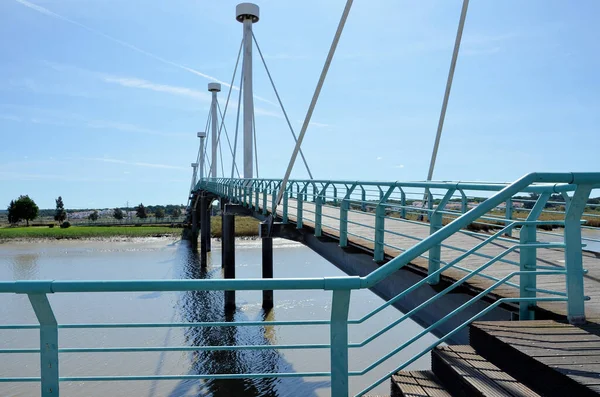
204 228
247 14
267 270
195 225
228 241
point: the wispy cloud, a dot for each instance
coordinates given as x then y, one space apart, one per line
21 176
379 158
148 85
125 44
10 117
399 166
59 118
135 163
31 85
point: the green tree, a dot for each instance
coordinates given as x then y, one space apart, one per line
176 212
118 214
93 216
26 209
140 211
159 213
13 216
60 215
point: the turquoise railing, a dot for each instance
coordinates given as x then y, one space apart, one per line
324 198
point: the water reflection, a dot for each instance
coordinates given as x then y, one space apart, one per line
206 306
25 266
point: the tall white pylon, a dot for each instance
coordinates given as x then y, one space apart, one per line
214 88
247 13
202 135
194 173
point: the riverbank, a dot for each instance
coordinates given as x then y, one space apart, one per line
244 227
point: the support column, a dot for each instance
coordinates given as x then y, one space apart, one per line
248 13
202 136
267 270
204 228
195 224
214 88
228 262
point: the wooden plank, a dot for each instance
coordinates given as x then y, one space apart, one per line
482 375
418 384
567 349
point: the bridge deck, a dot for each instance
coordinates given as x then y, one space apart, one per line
361 233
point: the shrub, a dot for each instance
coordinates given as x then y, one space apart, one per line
65 225
51 225
593 222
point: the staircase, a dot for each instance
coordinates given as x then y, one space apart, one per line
520 358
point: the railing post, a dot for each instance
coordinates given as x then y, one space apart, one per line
299 201
264 206
274 194
319 211
528 260
48 344
363 198
573 255
339 342
379 247
464 202
256 196
285 206
509 215
344 223
403 204
344 207
435 224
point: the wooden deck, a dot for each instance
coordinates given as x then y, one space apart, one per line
361 234
550 354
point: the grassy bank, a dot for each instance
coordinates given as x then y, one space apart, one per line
244 226
83 232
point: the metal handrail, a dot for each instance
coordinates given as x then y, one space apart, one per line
247 192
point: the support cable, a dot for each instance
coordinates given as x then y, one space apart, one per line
281 105
228 141
221 156
438 135
311 108
228 96
461 24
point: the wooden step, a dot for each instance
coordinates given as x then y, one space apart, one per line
465 373
417 384
552 358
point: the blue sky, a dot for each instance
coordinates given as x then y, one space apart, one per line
100 100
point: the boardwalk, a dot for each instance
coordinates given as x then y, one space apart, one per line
361 234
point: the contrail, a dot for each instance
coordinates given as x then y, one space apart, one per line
49 13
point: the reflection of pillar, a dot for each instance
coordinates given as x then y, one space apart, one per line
267 270
228 241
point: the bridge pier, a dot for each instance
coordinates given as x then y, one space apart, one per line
228 258
204 228
195 225
267 270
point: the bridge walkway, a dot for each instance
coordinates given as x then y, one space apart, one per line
361 234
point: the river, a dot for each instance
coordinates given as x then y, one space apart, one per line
156 258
